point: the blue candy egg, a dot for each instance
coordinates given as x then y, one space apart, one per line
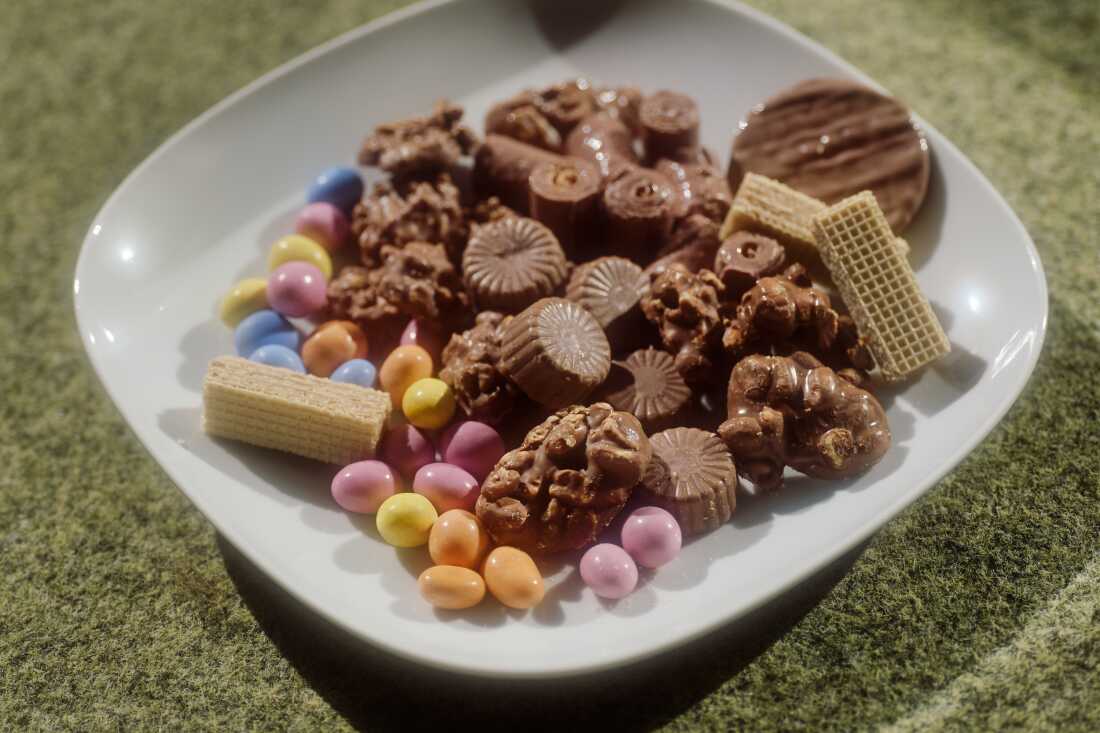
340 186
279 356
262 328
355 371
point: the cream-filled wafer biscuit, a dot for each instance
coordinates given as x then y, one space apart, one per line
878 285
768 207
296 413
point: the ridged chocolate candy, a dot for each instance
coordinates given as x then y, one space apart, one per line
610 289
692 476
511 263
647 385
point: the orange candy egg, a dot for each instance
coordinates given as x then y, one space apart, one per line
457 538
405 365
513 578
331 344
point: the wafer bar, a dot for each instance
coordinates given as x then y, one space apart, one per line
878 285
768 207
296 413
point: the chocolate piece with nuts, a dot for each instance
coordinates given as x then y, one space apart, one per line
684 307
419 146
419 211
471 369
520 119
566 482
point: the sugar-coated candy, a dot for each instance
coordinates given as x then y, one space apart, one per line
262 328
450 587
446 486
296 248
407 449
457 538
404 365
609 571
355 371
513 578
423 333
331 344
473 446
324 224
296 289
246 297
428 403
362 486
651 536
404 520
277 355
340 186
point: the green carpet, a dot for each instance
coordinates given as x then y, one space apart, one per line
978 608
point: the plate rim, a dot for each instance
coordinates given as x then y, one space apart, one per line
471 665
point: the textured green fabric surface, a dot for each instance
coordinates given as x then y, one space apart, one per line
977 608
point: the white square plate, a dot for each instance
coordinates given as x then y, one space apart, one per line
202 210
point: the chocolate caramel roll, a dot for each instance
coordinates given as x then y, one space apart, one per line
622 103
703 189
670 127
639 205
566 104
603 140
565 197
502 167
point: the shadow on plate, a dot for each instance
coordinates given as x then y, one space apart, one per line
376 690
565 23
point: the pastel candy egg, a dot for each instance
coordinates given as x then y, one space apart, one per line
404 520
355 371
296 289
423 333
446 486
457 538
324 224
428 403
446 586
609 571
339 186
404 365
331 344
296 248
246 297
262 328
278 356
652 536
406 449
361 487
513 578
473 446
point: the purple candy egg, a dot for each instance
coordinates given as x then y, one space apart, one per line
361 487
447 487
323 223
473 446
424 334
296 289
652 536
407 449
609 571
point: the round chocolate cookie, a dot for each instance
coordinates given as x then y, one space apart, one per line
610 289
691 475
511 263
832 138
647 385
556 352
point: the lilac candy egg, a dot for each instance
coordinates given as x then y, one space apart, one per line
262 328
652 536
424 334
355 371
324 224
473 446
277 355
296 289
361 487
407 449
609 571
447 487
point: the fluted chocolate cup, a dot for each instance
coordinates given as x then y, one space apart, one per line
502 167
639 207
565 197
604 141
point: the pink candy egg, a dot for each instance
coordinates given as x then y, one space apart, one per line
446 487
473 446
609 571
407 449
296 289
362 487
424 334
652 536
324 224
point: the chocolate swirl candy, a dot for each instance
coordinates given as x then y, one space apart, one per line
603 140
502 167
832 138
639 205
556 352
670 127
610 288
512 262
565 197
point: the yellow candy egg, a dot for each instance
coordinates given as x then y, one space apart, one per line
246 297
457 538
447 586
296 248
405 520
428 403
405 365
513 578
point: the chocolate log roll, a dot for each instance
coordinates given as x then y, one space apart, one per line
670 127
503 165
565 197
622 103
702 188
604 141
564 105
639 205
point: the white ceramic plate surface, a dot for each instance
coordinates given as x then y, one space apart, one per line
201 212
